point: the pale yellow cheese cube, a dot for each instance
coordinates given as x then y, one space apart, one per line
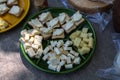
77 41
84 50
90 34
91 42
84 30
84 35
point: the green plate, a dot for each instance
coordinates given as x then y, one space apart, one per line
42 65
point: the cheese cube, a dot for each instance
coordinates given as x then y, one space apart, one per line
31 52
85 30
84 50
58 68
53 43
77 60
45 57
68 66
54 61
71 56
90 34
68 60
74 53
63 57
35 46
68 43
67 48
27 45
23 32
46 50
77 42
35 32
52 67
62 63
31 40
3 8
60 43
90 44
27 36
57 51
84 35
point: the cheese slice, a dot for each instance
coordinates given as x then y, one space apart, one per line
58 32
3 8
35 23
53 22
77 16
69 25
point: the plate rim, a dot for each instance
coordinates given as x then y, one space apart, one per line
26 11
64 72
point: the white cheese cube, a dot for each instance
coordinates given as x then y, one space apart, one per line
27 36
31 40
23 32
62 17
67 48
39 52
68 60
54 61
22 40
45 57
60 43
58 68
62 63
57 51
77 60
85 30
63 57
46 50
68 66
53 43
52 67
68 43
35 46
74 53
71 56
35 32
27 45
31 52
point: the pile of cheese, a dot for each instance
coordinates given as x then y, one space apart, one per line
56 27
60 54
32 42
83 40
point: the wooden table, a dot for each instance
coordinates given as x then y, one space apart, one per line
13 66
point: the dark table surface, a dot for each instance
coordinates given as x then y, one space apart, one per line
13 66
